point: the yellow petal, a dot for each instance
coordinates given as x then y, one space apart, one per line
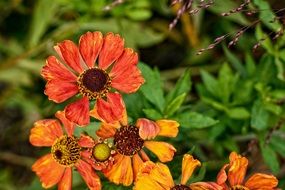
162 150
237 170
146 182
189 164
121 172
157 176
168 128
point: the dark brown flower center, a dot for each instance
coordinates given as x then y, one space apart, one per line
180 187
94 83
239 187
127 140
66 150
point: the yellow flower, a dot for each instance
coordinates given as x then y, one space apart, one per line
157 176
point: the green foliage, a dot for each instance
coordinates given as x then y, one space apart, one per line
224 100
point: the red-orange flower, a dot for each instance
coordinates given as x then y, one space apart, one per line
78 73
56 167
234 178
129 139
157 176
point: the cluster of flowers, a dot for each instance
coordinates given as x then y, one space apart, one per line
94 71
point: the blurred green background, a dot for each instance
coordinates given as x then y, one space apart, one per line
225 99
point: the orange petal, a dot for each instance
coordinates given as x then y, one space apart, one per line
59 91
129 81
118 107
137 163
162 150
45 132
69 126
90 45
261 181
54 69
112 110
189 164
86 141
168 128
222 175
90 177
112 49
237 170
205 186
143 155
68 51
107 130
157 172
48 171
78 112
144 180
129 58
66 180
121 172
147 128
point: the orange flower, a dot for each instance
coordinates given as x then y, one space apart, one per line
79 73
130 139
56 167
157 176
234 178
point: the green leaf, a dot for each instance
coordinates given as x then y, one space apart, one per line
221 5
183 85
273 108
44 12
280 69
138 14
266 15
250 64
152 88
195 120
266 43
226 83
259 116
238 113
174 105
277 144
269 156
236 63
210 83
90 129
214 104
135 104
243 94
152 114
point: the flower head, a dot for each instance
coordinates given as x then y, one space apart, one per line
56 167
157 176
90 70
98 153
131 139
233 179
